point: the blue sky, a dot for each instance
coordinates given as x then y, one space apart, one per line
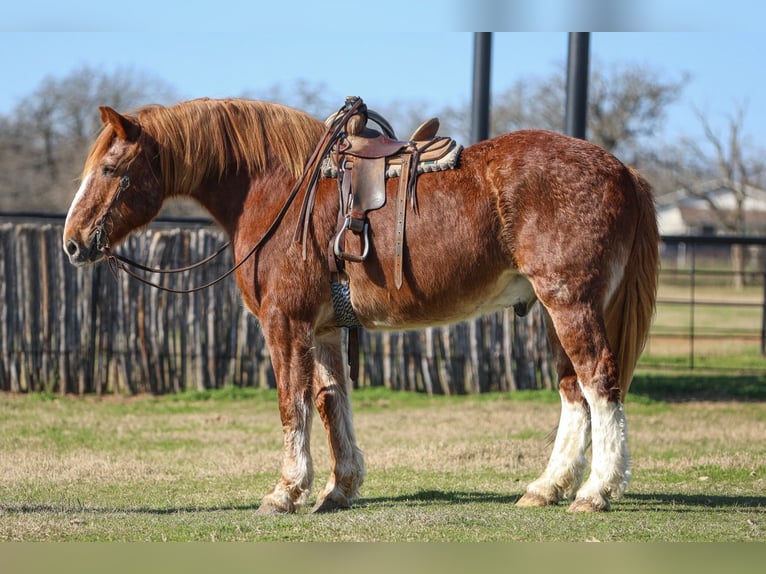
262 48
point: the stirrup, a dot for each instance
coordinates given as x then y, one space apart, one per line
338 250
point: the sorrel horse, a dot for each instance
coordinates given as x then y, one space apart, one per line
526 216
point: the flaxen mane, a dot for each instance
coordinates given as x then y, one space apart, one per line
207 137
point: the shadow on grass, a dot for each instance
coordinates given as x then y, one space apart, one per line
43 508
668 502
682 387
672 502
665 501
438 496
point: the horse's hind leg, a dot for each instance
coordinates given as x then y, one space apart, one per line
567 462
580 329
332 402
290 347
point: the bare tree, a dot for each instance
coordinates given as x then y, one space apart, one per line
733 163
43 141
724 160
302 94
625 105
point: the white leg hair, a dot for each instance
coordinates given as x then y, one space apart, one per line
567 463
610 468
299 468
294 486
332 399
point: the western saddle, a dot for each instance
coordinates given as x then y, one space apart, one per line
362 158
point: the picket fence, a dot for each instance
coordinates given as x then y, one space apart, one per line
90 331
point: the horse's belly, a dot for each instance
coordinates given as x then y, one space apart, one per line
515 291
510 289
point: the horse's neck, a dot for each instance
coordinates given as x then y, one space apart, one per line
240 199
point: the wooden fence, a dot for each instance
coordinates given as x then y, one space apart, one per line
68 330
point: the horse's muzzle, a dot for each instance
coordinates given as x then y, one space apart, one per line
81 255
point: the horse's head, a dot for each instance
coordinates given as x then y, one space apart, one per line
120 190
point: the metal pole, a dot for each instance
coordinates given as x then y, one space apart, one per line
692 305
577 84
763 310
482 59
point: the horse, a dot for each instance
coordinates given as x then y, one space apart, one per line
526 216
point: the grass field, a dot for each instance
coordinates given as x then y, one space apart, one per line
194 466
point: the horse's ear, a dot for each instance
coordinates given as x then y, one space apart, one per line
125 127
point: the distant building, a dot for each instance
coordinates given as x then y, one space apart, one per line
680 213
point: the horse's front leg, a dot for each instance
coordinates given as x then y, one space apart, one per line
290 345
332 402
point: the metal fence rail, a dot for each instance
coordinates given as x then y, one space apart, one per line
704 264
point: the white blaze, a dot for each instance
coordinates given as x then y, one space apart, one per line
78 197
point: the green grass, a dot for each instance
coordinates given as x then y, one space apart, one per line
685 386
741 360
194 467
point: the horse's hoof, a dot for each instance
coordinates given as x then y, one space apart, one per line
330 505
531 499
270 508
588 505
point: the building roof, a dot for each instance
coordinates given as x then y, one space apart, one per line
680 213
718 191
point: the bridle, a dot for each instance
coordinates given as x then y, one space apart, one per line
121 263
100 233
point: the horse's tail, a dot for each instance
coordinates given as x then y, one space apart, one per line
630 312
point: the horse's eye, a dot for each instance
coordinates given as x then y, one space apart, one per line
107 170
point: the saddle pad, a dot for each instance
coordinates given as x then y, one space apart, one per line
449 160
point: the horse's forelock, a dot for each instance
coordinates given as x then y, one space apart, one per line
98 149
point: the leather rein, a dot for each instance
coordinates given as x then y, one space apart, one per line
121 263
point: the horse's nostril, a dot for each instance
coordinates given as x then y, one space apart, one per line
71 247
